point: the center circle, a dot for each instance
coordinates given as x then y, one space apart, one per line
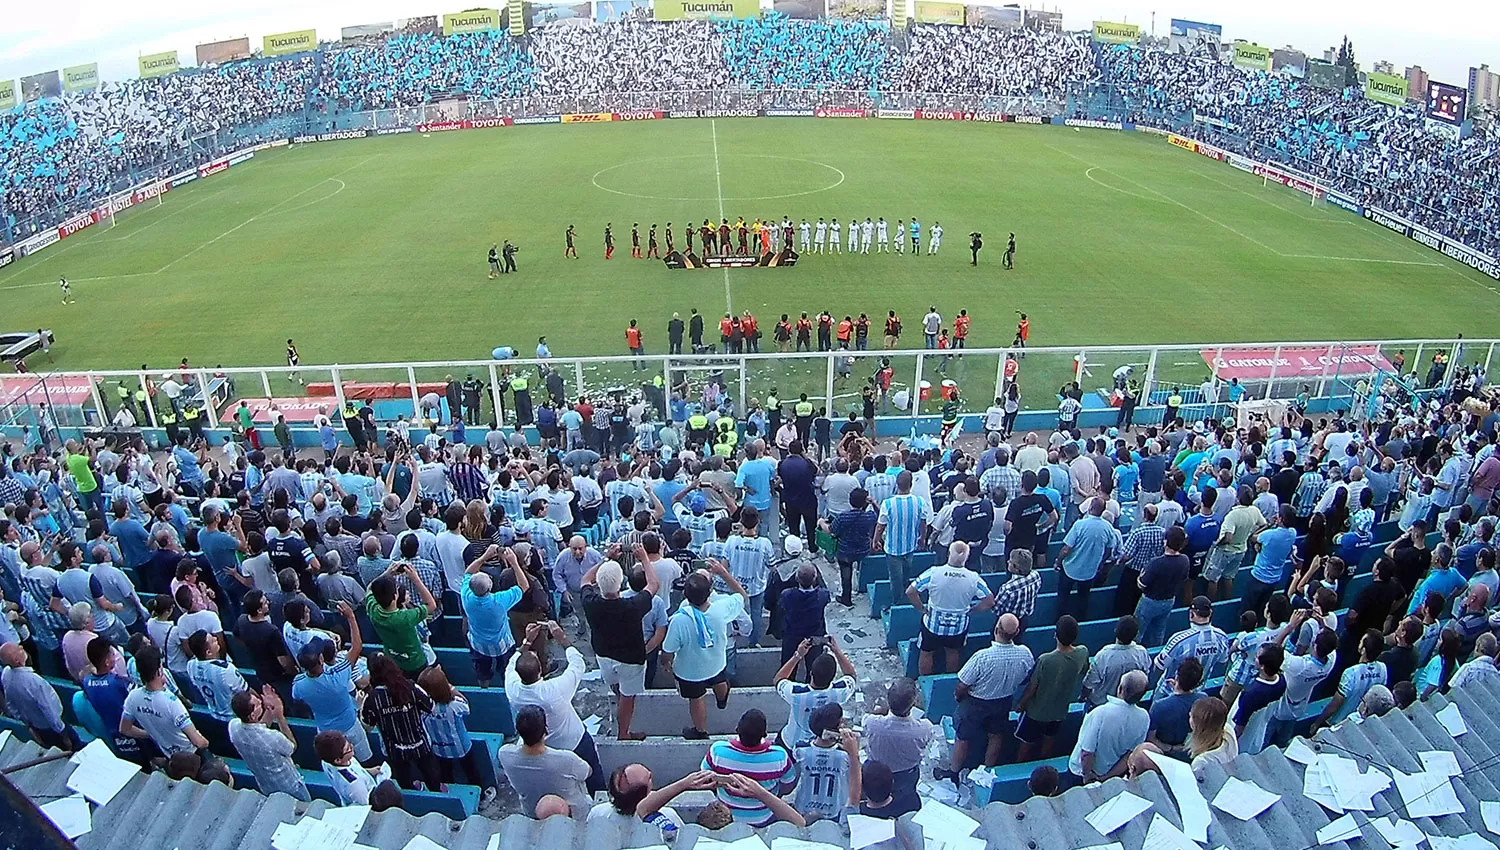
835 177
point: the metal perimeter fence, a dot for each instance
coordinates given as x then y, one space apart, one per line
910 385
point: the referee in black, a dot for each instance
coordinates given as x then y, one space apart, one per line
1010 253
509 253
975 243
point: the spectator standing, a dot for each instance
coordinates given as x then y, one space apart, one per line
828 768
987 684
30 699
525 686
822 689
266 748
1089 545
1201 639
396 624
536 770
397 707
152 711
618 639
898 742
1057 682
447 734
1110 732
954 593
487 612
1114 661
901 528
694 650
853 530
1158 585
752 755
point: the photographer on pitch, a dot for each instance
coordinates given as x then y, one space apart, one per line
976 241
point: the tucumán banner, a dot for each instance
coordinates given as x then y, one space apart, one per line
1252 56
158 64
1108 32
474 20
7 94
281 44
1385 88
677 10
934 12
81 77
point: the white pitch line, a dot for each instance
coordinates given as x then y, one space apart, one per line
268 211
713 125
159 219
58 253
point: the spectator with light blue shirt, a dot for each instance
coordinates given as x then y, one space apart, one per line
750 556
1269 570
1089 544
901 529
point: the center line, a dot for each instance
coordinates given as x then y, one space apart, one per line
713 125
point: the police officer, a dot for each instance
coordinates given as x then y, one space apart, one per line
509 253
472 387
519 389
698 430
168 420
192 416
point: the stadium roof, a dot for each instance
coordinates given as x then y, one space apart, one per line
153 811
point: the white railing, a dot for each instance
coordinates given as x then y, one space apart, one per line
1323 369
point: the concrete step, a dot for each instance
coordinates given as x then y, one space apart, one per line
665 713
755 668
669 759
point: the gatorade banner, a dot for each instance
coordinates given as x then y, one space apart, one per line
7 94
677 10
474 20
281 44
1385 88
38 86
158 64
1258 364
934 12
219 52
1107 32
1252 57
81 77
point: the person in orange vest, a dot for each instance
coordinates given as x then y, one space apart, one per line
1023 332
634 342
752 333
961 329
804 333
725 326
944 343
825 331
892 326
846 329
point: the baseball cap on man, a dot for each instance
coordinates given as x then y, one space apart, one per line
1203 606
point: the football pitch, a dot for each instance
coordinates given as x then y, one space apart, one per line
374 250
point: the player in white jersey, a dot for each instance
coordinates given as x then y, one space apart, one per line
866 231
936 241
882 236
806 235
822 237
900 228
835 241
853 235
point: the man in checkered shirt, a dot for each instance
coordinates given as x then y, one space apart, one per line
1001 475
1018 595
986 686
1145 543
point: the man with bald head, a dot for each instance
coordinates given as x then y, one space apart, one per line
615 628
30 699
486 611
525 686
1110 732
987 684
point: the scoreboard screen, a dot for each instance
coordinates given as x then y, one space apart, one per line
1446 103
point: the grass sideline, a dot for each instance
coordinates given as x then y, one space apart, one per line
374 250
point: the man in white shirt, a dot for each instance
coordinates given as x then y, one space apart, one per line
931 324
936 240
882 236
994 417
1030 457
152 711
450 547
525 686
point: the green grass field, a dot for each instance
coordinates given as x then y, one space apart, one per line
374 250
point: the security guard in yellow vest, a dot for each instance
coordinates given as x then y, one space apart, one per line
168 420
728 428
725 446
523 400
804 411
698 429
192 417
123 392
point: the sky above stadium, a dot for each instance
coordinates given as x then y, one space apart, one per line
1445 37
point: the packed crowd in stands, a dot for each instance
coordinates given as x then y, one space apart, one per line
62 154
206 609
